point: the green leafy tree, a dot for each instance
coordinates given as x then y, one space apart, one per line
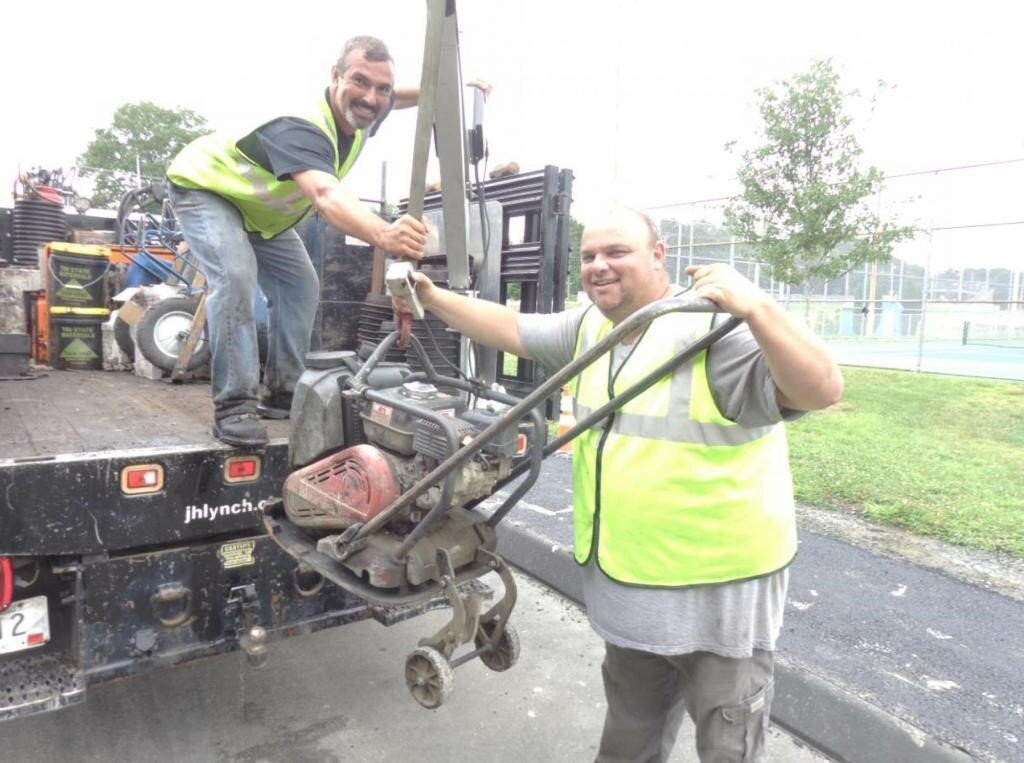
142 139
806 204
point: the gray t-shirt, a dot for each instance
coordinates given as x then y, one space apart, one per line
729 619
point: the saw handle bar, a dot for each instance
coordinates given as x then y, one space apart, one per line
520 410
619 400
661 371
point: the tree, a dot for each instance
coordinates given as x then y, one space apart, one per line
142 139
805 205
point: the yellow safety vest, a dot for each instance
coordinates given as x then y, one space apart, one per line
269 206
669 492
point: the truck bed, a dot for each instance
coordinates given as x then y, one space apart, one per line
63 412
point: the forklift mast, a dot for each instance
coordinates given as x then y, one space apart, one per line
499 239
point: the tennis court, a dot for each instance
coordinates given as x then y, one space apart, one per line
933 356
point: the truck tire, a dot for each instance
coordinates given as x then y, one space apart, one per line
162 331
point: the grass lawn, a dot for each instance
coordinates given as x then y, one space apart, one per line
937 455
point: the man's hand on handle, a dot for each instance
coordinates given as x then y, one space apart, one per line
405 237
424 288
805 375
728 289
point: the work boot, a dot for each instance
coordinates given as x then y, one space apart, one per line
240 429
276 405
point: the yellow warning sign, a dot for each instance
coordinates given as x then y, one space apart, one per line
78 351
237 554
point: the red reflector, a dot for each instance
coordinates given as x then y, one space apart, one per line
35 638
521 443
142 479
6 583
246 468
241 469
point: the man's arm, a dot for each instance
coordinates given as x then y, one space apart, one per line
487 323
805 375
406 237
408 96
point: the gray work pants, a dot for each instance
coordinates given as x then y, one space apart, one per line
234 262
728 699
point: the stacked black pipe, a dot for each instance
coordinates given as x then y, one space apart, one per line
376 321
36 222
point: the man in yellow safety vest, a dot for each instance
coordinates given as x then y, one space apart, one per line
683 506
238 199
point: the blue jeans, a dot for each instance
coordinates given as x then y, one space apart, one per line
235 262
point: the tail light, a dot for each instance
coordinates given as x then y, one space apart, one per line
242 469
142 478
6 583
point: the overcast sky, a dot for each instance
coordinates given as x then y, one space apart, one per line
638 104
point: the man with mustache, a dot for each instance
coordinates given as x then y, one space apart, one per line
238 199
683 513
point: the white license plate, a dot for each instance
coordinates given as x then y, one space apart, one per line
24 624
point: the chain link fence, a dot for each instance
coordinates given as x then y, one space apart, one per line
955 291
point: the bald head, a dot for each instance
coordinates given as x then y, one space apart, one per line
625 219
622 262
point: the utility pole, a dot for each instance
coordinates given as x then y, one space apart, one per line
872 296
925 293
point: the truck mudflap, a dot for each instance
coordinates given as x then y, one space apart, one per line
121 616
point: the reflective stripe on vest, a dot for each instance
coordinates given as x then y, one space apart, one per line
268 206
672 500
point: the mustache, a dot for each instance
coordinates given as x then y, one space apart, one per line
365 105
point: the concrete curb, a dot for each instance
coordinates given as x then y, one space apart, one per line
819 713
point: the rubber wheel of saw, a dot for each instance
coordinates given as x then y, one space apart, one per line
505 653
428 676
162 331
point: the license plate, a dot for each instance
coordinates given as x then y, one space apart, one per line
24 624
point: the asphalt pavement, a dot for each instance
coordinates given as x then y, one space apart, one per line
340 695
881 658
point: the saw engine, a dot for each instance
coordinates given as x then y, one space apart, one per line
397 436
388 466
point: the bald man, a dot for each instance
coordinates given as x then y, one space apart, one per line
683 511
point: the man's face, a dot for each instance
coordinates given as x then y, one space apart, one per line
621 269
362 92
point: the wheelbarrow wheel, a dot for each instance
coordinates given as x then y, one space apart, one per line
505 653
428 676
123 337
162 331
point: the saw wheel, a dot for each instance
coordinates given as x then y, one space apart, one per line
429 677
505 653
